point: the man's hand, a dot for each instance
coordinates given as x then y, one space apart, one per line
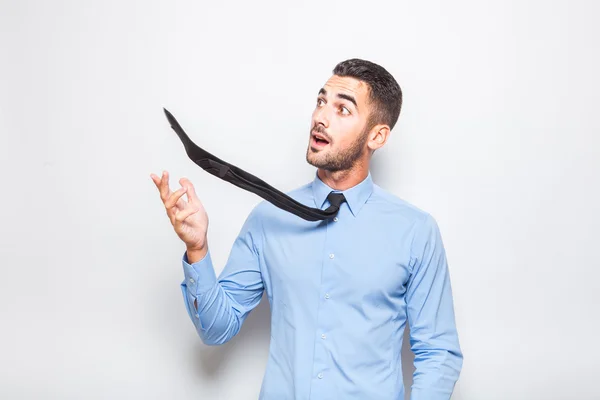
189 218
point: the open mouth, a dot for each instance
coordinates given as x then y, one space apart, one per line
318 141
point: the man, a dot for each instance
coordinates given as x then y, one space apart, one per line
340 290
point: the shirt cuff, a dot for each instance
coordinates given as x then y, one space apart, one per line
199 276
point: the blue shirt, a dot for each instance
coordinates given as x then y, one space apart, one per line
341 292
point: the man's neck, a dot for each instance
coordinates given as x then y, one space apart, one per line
342 180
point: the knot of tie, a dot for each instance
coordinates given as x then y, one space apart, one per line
335 199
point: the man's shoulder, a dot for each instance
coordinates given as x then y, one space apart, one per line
394 205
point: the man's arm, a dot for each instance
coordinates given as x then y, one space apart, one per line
218 307
192 256
430 310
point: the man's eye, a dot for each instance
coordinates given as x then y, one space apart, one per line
320 102
345 110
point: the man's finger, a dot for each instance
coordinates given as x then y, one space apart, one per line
181 203
155 179
191 193
159 183
182 215
175 197
165 192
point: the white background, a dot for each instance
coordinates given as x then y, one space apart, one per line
498 140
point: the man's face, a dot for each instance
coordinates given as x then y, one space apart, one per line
340 118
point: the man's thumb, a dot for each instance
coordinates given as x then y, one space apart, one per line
190 189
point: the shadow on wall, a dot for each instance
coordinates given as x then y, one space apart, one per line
255 333
408 359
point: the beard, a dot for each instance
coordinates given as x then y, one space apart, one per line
343 160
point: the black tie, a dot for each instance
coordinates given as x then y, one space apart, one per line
249 182
335 199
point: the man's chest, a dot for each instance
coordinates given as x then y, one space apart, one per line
360 261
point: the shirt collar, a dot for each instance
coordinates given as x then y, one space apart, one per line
356 196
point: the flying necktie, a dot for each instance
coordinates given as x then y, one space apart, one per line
251 183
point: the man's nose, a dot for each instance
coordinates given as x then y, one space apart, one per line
321 117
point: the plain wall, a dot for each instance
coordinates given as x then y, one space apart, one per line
498 140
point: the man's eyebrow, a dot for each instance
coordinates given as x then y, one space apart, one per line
349 98
341 96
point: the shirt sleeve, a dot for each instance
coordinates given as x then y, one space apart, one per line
225 302
430 310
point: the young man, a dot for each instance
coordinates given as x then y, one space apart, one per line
341 290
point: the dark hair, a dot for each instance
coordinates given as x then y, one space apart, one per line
384 91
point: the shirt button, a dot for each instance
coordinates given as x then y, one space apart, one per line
192 280
197 316
331 255
323 336
326 295
320 375
335 219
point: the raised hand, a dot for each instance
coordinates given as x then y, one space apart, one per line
189 218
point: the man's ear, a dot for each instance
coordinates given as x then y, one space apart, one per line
378 136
